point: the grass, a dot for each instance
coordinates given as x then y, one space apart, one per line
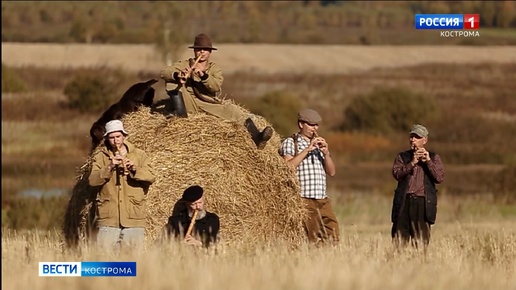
288 59
460 256
374 208
21 136
473 247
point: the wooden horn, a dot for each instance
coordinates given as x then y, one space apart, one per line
196 61
192 223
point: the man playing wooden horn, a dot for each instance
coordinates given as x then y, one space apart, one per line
194 224
414 207
124 174
310 155
194 86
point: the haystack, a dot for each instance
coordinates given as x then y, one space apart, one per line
254 192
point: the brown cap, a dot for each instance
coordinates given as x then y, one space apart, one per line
309 116
202 41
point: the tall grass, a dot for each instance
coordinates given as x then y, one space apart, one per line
458 258
473 247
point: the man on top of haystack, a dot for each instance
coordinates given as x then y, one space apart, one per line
194 86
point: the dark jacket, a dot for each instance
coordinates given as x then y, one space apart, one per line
206 228
430 191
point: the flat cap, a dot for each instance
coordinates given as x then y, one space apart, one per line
309 116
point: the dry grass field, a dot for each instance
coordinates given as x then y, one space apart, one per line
473 242
461 256
255 58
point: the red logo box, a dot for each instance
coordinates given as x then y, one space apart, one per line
471 21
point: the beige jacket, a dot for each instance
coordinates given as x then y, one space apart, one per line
121 205
195 89
200 95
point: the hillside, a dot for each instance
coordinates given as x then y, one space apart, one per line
256 58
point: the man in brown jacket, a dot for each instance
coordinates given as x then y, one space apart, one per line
124 174
194 86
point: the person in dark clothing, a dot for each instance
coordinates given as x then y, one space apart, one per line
414 206
206 225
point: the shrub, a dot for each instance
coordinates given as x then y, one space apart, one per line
357 142
387 110
504 186
30 212
11 82
280 109
359 146
92 91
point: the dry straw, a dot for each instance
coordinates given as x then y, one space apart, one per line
254 192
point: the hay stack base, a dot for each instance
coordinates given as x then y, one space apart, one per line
254 192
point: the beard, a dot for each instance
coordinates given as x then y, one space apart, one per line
200 214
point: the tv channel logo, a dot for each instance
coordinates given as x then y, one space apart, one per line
87 269
447 21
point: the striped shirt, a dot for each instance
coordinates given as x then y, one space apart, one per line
310 172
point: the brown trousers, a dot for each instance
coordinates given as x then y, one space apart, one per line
321 223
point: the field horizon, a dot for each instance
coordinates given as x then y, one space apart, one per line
254 58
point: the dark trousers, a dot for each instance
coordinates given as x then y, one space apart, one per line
411 224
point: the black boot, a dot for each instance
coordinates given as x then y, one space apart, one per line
178 104
259 138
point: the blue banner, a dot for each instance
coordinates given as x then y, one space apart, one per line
108 269
439 21
87 269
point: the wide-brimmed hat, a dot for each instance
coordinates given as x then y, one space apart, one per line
202 41
114 126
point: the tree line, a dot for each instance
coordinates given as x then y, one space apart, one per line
167 23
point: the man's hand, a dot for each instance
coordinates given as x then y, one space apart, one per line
115 160
199 72
184 75
321 143
189 240
425 156
312 146
129 164
420 154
